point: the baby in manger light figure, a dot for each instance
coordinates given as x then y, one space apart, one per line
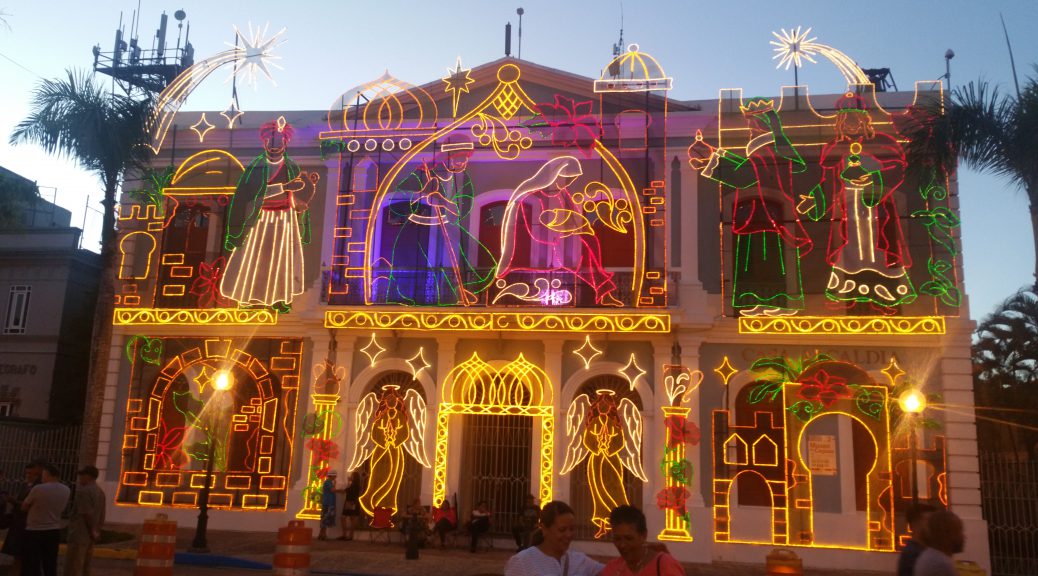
267 225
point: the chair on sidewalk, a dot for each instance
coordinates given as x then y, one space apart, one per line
381 525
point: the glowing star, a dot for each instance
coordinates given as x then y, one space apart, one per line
255 53
232 113
373 350
632 372
417 363
893 371
457 82
793 47
587 352
202 127
205 378
726 371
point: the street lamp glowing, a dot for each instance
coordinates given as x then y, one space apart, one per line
223 380
912 401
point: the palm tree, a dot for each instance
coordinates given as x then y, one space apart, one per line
75 117
985 131
1005 371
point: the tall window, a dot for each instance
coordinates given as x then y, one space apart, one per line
17 310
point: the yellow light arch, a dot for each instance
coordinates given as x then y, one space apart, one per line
519 388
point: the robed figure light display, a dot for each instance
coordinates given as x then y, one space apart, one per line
268 223
387 425
609 435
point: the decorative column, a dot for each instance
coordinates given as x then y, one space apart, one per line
446 351
550 482
320 428
679 383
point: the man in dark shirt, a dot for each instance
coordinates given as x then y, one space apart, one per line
916 517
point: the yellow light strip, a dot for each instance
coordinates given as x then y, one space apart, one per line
675 529
499 321
207 316
892 325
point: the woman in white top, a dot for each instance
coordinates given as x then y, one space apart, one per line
552 557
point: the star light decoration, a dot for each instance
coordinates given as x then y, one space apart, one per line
202 127
792 47
632 372
893 371
418 363
232 113
587 352
373 350
726 371
255 53
457 81
204 378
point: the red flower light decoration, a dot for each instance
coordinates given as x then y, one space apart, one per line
207 284
673 498
572 123
681 430
825 388
323 450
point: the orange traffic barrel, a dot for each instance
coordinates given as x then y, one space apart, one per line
292 555
782 562
158 545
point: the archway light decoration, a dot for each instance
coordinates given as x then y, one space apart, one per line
255 54
587 352
632 372
792 47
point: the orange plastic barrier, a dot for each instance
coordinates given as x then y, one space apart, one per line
782 562
292 555
158 544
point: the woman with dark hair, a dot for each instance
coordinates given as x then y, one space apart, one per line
552 556
445 519
350 507
636 557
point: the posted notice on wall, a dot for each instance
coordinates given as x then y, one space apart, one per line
821 454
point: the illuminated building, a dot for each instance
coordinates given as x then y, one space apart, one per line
496 268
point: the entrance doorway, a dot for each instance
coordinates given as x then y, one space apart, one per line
495 466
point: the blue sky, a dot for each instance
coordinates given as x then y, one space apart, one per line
331 47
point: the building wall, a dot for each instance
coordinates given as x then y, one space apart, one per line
330 353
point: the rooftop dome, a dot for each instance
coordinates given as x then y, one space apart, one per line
633 71
384 104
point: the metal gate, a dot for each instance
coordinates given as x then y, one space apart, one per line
1009 492
496 466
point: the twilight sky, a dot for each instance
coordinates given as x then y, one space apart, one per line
331 47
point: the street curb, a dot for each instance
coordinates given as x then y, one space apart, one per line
102 552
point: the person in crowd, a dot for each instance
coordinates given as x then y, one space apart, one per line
479 523
916 516
445 519
944 539
552 557
526 524
416 519
13 543
637 558
327 505
43 507
350 507
85 522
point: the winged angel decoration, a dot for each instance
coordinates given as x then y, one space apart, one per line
386 425
609 435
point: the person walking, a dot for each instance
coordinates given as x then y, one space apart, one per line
43 507
637 557
327 504
84 527
916 516
14 542
944 539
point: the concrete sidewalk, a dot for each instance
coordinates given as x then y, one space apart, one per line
364 558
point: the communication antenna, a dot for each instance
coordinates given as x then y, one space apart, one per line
520 12
508 39
151 70
618 48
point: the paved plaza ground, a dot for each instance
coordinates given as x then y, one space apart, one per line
362 557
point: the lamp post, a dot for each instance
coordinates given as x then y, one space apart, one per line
221 383
913 402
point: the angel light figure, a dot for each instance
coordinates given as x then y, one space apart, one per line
609 435
386 425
